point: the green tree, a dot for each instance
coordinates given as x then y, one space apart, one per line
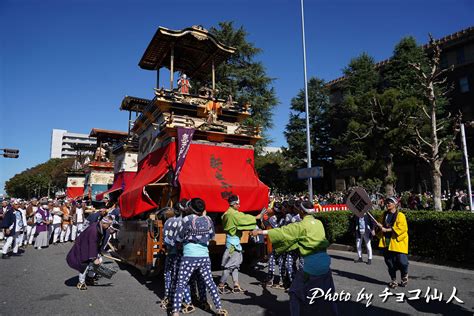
245 78
352 135
386 134
40 180
399 74
362 76
403 90
295 131
376 105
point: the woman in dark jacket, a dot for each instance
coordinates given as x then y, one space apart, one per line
364 230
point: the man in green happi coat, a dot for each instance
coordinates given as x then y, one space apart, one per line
309 239
234 223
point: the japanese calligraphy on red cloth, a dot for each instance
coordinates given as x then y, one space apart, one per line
185 135
216 164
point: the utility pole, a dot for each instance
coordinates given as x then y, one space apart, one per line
308 139
466 161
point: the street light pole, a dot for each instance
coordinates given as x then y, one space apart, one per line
308 142
466 160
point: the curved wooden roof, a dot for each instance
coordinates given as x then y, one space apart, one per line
107 135
194 50
134 104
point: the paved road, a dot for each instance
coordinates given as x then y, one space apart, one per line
40 283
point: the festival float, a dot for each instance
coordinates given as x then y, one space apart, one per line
125 153
189 145
75 184
75 175
99 172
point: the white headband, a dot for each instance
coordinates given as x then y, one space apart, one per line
236 201
307 210
106 220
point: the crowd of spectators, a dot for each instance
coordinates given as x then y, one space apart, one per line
458 201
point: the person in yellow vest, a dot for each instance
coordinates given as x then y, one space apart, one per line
393 234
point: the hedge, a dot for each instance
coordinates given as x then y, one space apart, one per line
446 236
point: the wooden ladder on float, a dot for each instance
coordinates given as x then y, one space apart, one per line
154 247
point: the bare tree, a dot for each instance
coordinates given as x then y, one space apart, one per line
434 143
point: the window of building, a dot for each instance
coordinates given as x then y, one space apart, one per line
463 84
469 52
444 61
460 58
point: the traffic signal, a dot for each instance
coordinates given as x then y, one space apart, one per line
11 153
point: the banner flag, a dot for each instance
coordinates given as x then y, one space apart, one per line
185 135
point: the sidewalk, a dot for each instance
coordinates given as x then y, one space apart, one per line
430 287
411 258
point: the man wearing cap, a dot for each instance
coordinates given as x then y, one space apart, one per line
86 251
42 220
308 238
234 223
393 234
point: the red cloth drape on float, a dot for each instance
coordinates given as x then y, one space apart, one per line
121 181
210 172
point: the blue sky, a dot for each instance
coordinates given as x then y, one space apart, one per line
68 64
